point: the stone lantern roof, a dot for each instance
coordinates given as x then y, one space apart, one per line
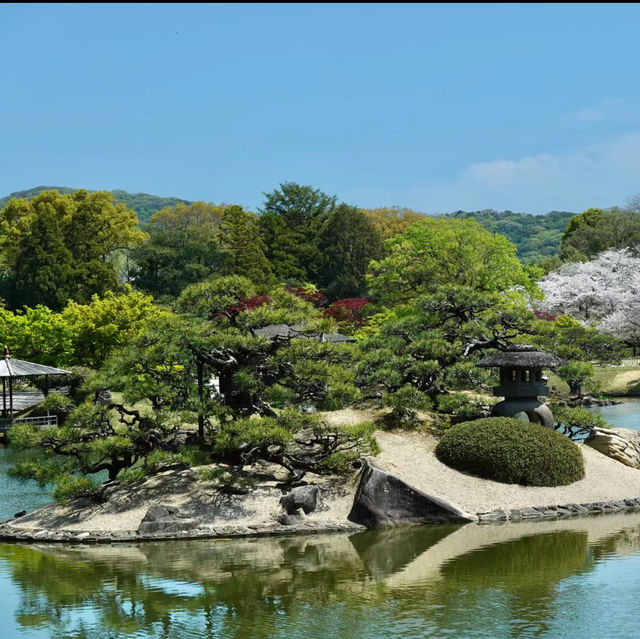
522 356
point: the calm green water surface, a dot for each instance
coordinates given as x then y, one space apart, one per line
16 494
569 579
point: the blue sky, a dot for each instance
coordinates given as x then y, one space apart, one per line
529 107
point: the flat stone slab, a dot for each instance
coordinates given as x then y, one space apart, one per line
384 500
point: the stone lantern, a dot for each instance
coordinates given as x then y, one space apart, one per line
522 382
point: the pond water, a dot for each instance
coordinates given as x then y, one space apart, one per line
571 579
624 415
17 494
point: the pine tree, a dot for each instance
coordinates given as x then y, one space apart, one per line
242 240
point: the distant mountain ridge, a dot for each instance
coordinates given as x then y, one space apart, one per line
535 236
144 204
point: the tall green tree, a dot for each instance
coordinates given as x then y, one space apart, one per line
348 242
298 205
437 253
58 247
245 249
184 247
40 266
290 224
106 324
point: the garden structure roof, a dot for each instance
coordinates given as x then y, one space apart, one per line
275 331
522 356
10 367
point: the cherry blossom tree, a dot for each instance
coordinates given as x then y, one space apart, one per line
593 290
604 293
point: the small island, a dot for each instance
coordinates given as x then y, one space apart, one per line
263 393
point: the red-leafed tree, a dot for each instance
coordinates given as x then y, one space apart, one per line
348 311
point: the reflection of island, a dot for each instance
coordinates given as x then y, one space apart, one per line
432 578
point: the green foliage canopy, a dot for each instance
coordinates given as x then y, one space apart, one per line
535 236
106 324
290 222
435 253
433 344
39 335
596 230
183 248
347 242
244 246
59 247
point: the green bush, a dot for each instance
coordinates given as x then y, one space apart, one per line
511 451
55 404
460 405
405 404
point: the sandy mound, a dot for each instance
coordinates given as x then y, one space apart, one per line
410 457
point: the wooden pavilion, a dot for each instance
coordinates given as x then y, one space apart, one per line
11 369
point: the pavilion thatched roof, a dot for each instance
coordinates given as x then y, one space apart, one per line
275 331
10 367
522 356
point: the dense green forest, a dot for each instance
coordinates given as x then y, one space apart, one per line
535 236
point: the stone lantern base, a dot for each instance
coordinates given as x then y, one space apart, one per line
535 410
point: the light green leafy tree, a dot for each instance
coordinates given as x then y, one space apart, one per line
39 335
436 253
106 324
184 247
59 247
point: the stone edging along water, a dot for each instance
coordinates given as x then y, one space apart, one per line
8 533
556 512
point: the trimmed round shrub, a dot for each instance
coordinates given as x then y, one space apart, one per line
511 451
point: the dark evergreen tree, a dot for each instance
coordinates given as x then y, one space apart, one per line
292 246
349 240
245 248
44 266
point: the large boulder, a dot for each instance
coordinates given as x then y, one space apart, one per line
621 444
165 519
305 497
384 500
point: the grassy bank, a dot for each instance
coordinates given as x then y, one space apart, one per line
619 381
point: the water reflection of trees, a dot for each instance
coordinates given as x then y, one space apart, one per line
334 586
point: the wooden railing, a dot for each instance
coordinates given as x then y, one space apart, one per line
47 421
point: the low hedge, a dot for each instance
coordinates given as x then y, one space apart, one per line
511 451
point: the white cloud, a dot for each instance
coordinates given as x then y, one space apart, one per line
603 175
